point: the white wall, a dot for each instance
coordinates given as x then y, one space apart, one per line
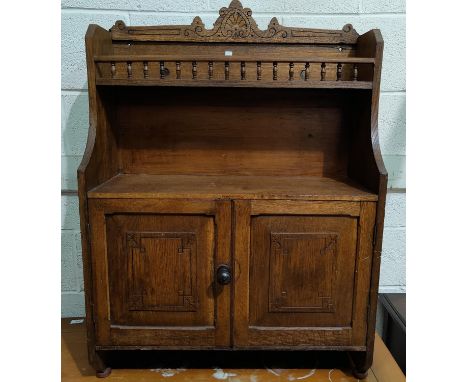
388 16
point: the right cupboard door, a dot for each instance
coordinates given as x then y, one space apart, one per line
303 269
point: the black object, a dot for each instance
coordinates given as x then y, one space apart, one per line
223 275
394 326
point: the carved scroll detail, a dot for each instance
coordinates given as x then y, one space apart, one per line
235 23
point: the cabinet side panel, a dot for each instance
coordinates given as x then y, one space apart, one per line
371 43
91 171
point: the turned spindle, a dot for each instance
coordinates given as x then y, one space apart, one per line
355 72
275 71
210 70
307 72
226 70
323 71
162 70
259 70
145 69
291 71
178 70
243 70
129 69
339 71
113 69
194 70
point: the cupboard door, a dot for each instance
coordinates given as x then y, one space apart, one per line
160 264
302 275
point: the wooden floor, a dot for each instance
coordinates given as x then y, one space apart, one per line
75 367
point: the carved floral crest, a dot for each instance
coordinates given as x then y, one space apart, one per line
235 23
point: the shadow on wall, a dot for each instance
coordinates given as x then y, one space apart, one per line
75 122
392 136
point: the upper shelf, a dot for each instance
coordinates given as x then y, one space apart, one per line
234 53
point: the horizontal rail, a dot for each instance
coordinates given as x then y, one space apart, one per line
302 69
169 58
240 83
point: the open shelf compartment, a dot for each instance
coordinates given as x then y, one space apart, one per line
235 143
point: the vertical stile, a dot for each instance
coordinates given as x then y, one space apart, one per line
291 71
323 71
243 70
162 70
145 69
226 70
194 70
355 72
307 72
275 71
339 71
210 70
259 70
178 70
129 69
113 69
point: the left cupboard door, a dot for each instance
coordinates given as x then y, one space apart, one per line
154 268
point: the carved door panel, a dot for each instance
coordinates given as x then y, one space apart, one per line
300 274
302 265
160 264
156 263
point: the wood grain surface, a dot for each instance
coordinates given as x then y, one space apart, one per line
230 187
75 367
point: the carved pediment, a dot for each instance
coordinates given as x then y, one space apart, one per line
234 24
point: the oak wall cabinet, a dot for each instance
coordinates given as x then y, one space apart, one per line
232 189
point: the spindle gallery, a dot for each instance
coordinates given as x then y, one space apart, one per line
232 190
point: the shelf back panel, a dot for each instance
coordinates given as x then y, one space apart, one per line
236 131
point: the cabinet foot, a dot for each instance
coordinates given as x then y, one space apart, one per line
360 364
99 363
104 373
359 374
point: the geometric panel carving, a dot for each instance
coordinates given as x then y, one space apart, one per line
161 270
302 272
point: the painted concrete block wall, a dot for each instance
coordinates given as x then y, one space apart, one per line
389 16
